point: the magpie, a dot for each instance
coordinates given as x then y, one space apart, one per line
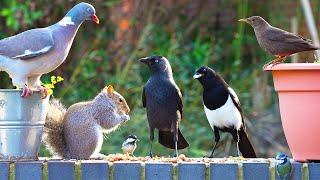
163 101
129 145
223 110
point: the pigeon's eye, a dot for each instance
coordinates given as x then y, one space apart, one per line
88 10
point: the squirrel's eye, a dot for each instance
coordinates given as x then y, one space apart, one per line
120 100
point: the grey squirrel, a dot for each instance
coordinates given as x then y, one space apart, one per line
77 132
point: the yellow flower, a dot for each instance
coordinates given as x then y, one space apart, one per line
50 91
59 79
53 80
49 86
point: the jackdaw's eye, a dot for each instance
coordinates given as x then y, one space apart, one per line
156 60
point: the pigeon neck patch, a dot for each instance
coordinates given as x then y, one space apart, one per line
66 21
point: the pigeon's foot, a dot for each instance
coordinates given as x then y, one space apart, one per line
43 92
26 91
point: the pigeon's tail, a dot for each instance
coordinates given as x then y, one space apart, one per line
244 144
166 139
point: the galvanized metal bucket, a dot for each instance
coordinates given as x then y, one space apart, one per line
21 124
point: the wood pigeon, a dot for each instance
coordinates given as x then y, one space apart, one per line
28 55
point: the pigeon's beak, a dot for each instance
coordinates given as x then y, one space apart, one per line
144 60
244 20
197 75
95 19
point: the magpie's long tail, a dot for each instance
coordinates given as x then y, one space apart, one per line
244 144
166 138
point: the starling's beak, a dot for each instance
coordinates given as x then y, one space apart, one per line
244 20
144 60
95 19
197 75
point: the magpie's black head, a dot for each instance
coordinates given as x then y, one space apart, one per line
208 77
156 64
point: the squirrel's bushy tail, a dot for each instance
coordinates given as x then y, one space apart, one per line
53 136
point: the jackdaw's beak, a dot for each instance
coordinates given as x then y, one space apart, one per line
144 60
244 20
197 75
95 19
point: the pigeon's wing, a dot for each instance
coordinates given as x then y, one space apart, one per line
236 102
144 97
28 44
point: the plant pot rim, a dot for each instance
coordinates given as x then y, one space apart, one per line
293 66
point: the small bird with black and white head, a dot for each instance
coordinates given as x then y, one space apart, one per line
28 55
163 100
283 166
223 110
277 41
129 145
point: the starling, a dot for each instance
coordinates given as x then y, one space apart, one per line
223 110
283 166
163 100
277 41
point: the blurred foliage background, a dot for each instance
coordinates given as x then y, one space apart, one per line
190 34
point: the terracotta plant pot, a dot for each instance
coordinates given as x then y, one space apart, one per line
298 87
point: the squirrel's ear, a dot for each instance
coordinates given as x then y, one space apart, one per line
109 89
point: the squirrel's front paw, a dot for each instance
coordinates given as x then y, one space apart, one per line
125 117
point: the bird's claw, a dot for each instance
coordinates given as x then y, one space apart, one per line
274 62
43 92
150 154
208 156
26 91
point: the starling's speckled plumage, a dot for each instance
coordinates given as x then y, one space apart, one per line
162 99
283 167
277 41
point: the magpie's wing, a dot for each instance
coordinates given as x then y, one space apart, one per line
236 102
144 97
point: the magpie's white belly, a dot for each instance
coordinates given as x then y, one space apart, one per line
227 116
